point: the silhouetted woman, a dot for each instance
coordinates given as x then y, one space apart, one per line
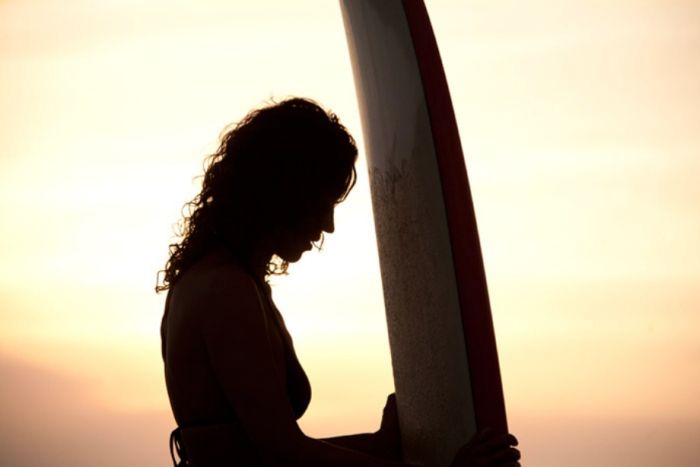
235 384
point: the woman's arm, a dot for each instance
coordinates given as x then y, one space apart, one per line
363 442
385 443
321 453
235 334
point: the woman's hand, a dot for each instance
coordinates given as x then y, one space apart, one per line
488 449
388 437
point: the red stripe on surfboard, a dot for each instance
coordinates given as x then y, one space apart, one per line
487 389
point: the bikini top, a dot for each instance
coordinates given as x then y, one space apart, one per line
297 383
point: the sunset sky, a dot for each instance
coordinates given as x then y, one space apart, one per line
580 122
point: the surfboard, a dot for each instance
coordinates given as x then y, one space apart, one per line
441 335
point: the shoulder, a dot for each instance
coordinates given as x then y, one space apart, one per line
213 275
214 288
226 293
226 282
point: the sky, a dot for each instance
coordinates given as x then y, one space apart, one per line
580 123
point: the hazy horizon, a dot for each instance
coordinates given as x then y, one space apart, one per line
580 123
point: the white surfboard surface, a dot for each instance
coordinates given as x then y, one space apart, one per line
441 335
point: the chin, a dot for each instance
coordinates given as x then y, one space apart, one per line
293 253
291 257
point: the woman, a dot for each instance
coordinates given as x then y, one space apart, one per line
235 384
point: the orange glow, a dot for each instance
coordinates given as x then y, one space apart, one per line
581 128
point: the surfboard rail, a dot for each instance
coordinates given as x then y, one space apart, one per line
477 320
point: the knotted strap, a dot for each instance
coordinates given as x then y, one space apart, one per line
177 446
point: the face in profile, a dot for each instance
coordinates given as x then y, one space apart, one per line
304 230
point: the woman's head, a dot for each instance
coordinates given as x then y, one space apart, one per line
274 179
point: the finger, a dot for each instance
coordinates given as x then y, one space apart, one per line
390 410
513 441
496 442
504 456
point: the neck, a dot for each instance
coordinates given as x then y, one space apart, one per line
253 259
258 261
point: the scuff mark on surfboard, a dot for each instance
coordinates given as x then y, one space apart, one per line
419 294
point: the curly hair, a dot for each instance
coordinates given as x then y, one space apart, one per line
272 167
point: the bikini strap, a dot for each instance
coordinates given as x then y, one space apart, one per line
177 447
